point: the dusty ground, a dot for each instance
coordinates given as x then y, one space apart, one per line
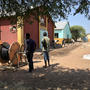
68 71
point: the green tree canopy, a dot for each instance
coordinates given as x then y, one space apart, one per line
77 32
55 8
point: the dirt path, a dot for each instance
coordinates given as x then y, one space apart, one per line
68 71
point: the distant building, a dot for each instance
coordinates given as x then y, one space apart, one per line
88 37
62 31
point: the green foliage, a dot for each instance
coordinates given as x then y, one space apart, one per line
56 8
83 7
77 32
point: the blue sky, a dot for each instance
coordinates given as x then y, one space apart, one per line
80 20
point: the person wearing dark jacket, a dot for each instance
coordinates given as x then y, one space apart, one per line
30 48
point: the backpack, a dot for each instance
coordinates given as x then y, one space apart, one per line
44 43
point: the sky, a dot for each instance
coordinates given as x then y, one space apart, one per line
80 20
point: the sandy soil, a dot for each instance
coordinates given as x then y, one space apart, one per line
68 71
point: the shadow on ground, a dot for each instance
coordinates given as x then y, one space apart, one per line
51 78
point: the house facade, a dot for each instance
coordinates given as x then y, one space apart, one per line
62 31
15 33
88 37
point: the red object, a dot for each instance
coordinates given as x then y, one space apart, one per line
33 29
5 34
50 30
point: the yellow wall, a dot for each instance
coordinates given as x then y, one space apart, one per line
59 40
88 36
42 27
20 31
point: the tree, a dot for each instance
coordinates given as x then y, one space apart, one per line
55 8
77 32
83 7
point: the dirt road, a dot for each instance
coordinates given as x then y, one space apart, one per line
68 71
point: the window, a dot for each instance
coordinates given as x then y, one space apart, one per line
56 35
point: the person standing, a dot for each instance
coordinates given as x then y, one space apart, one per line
63 43
30 48
45 48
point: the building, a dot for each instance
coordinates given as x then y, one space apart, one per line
15 33
62 31
88 37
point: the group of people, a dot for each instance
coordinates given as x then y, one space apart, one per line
30 47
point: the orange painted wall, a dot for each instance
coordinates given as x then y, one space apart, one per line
5 34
